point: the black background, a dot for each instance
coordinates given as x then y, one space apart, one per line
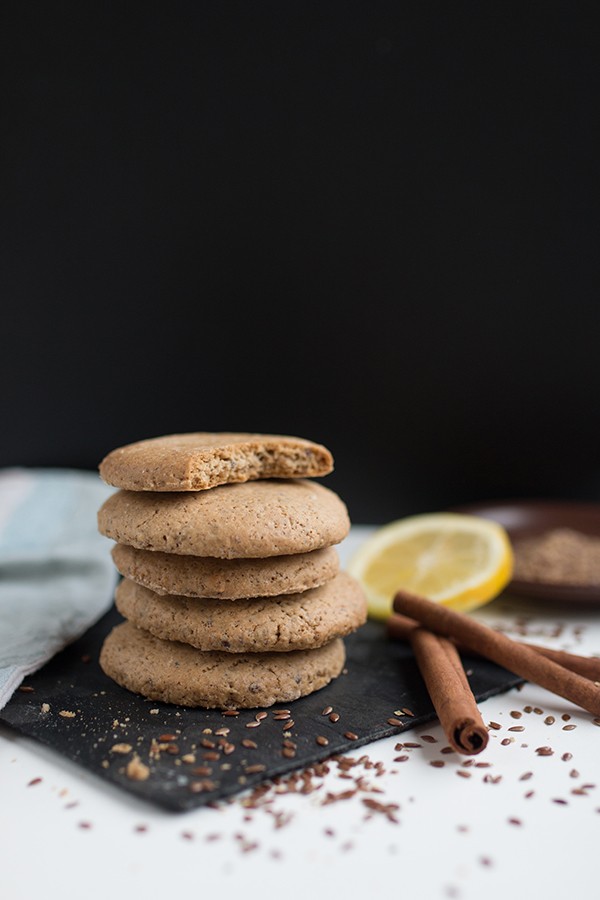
372 224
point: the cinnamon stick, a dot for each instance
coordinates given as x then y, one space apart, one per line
444 676
514 656
400 627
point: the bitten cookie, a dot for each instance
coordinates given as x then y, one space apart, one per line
256 519
178 673
296 622
226 579
195 462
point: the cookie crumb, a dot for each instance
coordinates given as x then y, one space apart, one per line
137 770
67 714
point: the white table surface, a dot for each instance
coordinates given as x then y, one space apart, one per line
492 834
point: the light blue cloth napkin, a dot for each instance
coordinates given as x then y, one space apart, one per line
56 573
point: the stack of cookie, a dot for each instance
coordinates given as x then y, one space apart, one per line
231 591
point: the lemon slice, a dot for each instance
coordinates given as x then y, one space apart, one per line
458 560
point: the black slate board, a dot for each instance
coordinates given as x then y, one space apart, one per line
381 677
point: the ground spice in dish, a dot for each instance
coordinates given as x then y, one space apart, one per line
562 556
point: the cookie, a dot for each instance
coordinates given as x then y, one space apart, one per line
226 579
255 519
177 673
195 462
279 624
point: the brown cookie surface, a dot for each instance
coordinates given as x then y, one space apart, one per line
177 673
195 462
227 579
257 519
279 624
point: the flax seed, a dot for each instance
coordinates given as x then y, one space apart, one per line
202 771
287 752
254 769
407 712
429 738
566 757
517 728
569 727
250 745
437 763
334 717
321 740
253 724
494 725
231 712
515 714
260 716
526 776
210 745
463 774
165 738
544 751
395 722
211 756
327 711
350 736
401 758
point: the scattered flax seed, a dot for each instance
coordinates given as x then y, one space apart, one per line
250 745
429 738
350 736
574 773
494 725
231 712
45 707
437 763
538 711
211 756
254 769
514 822
327 711
463 774
401 758
515 714
517 728
187 835
85 825
167 737
407 712
529 795
26 689
121 748
448 750
253 724
492 779
388 809
137 770
260 716
67 714
549 720
202 771
482 765
569 727
526 776
321 740
411 745
506 741
334 717
34 781
289 725
528 709
140 829
288 753
560 801
565 717
566 757
209 745
544 751
395 722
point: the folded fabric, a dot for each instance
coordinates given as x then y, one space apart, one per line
56 572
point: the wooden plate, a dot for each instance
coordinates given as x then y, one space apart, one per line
531 518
